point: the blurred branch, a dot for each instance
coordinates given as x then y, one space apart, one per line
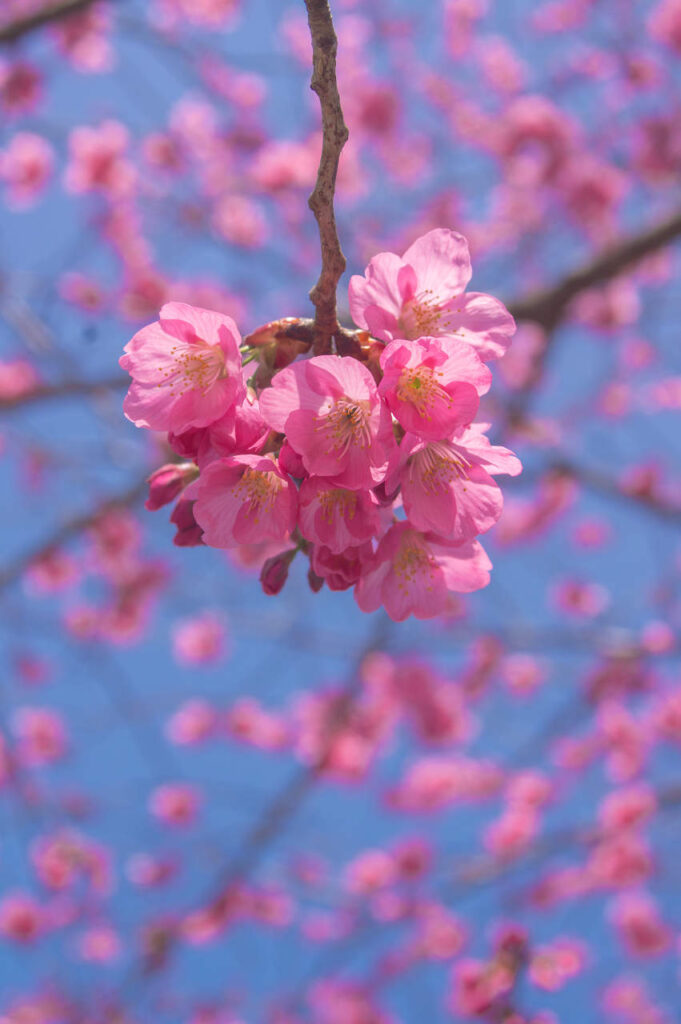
547 307
334 137
69 529
482 870
52 10
65 389
595 480
285 803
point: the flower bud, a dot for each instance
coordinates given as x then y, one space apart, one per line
316 582
274 572
276 347
291 462
167 482
189 533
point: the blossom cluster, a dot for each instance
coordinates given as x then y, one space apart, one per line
371 464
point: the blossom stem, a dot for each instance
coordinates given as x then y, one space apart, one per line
52 10
334 137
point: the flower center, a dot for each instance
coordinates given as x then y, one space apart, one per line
259 489
420 387
345 425
338 502
193 368
413 560
437 465
423 315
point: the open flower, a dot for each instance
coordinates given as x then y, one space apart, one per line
332 416
423 293
412 573
185 369
447 486
341 571
245 499
432 387
335 516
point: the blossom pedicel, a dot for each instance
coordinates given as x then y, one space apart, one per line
375 471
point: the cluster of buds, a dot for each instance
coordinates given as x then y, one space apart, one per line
368 462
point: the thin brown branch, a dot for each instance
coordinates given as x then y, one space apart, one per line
280 810
334 137
67 531
64 389
485 869
595 480
51 11
548 306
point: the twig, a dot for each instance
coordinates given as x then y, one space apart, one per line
334 137
657 505
285 803
52 10
64 389
71 528
548 306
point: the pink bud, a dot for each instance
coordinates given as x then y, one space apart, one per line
274 572
189 533
291 462
316 582
167 482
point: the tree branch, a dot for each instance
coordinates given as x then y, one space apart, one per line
71 528
52 10
285 803
334 137
64 389
546 307
657 505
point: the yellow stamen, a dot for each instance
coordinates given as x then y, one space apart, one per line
411 561
260 489
420 388
437 465
338 502
346 425
193 368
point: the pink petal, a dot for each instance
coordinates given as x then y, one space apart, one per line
442 263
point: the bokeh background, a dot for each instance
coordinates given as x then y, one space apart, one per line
502 799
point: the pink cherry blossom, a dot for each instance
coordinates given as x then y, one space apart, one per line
341 570
664 23
447 486
41 735
175 804
98 162
245 499
167 482
371 870
26 168
423 294
432 386
186 369
21 917
336 517
18 377
248 721
21 87
193 722
412 573
639 925
100 944
199 640
331 413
